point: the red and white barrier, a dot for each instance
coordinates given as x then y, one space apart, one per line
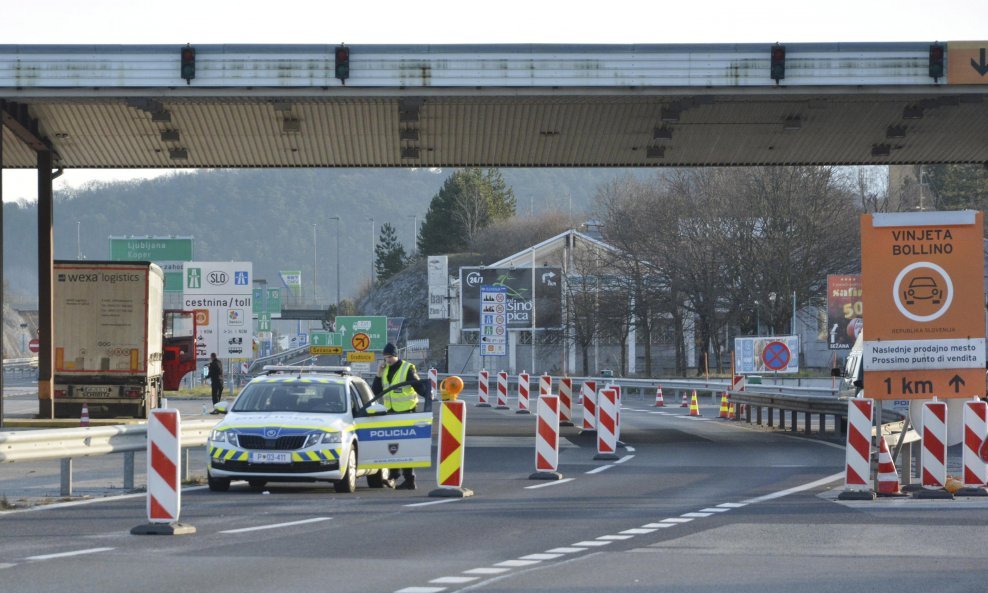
524 382
858 450
434 379
545 385
566 401
888 477
547 439
588 392
502 390
659 401
84 416
934 456
164 463
738 383
975 433
607 424
686 402
482 389
450 450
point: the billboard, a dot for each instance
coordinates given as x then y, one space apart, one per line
844 307
220 293
520 307
766 354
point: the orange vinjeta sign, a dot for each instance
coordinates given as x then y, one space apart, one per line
923 290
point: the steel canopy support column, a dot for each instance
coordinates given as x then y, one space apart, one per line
46 408
1 269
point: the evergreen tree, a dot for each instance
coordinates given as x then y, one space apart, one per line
470 200
390 255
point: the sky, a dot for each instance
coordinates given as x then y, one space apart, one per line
464 21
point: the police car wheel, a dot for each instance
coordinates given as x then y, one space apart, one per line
218 484
348 481
381 479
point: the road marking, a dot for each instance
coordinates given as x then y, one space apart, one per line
68 554
565 550
4 565
794 490
733 505
277 525
629 450
421 590
487 570
517 563
676 520
623 459
551 483
600 469
658 525
713 510
614 537
432 502
453 580
638 531
591 544
542 556
696 515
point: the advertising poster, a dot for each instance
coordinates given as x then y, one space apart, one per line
519 304
844 306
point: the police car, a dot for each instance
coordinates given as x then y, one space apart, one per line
314 423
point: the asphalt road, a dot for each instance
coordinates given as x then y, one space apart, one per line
692 505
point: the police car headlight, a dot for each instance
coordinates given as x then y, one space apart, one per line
317 438
224 436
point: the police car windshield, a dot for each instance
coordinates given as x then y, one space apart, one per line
311 396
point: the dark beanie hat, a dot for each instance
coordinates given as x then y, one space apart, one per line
389 348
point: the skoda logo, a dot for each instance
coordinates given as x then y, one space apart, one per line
475 278
270 432
217 278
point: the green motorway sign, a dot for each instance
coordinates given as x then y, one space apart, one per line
167 252
374 326
320 338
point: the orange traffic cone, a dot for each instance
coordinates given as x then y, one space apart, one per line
84 418
730 412
723 406
685 403
659 402
694 406
888 477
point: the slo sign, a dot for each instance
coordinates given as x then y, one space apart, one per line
923 285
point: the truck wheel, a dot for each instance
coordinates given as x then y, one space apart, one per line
381 479
347 484
218 484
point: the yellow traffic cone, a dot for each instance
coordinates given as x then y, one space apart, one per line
694 406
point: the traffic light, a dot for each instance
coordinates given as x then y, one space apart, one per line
188 63
342 62
778 70
936 61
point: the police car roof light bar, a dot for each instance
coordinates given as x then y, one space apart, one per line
274 368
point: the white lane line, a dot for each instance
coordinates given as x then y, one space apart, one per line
277 525
638 531
432 502
4 565
787 492
658 525
550 483
487 570
517 563
625 458
565 550
597 470
421 590
696 515
68 554
733 505
614 537
542 556
629 450
713 510
453 580
591 544
676 520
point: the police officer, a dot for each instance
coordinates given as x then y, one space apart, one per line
393 370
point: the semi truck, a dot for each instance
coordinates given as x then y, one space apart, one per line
115 348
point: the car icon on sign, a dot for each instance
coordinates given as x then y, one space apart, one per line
922 288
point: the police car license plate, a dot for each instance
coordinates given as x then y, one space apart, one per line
270 457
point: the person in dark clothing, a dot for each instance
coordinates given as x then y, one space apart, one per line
215 376
400 401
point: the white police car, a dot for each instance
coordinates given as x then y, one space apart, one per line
313 423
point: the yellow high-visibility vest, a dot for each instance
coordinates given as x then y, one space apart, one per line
404 399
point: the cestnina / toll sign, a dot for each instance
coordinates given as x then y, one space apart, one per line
923 291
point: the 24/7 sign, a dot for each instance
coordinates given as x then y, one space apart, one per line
923 285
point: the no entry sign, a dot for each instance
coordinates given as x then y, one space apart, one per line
34 345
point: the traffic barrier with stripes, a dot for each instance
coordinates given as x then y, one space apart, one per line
686 402
502 390
888 477
588 392
694 405
84 416
659 401
164 489
524 382
566 401
723 406
975 433
607 424
482 391
858 450
738 382
545 385
450 452
434 379
547 439
934 456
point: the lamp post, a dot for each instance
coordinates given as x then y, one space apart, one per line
78 239
771 301
758 320
415 233
373 242
337 219
315 267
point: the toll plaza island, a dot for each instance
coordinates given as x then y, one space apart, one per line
923 281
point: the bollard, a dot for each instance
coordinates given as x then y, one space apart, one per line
566 401
589 395
502 390
858 450
164 497
450 452
434 379
933 461
975 433
607 424
545 385
523 385
547 439
482 378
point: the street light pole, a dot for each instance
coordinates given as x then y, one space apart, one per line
337 219
415 233
373 242
315 267
78 239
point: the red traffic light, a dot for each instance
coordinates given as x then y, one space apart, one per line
188 63
778 62
342 62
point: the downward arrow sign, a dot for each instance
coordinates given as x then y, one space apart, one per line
981 68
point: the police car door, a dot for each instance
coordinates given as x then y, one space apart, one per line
392 440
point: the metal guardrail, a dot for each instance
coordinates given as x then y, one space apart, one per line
66 444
